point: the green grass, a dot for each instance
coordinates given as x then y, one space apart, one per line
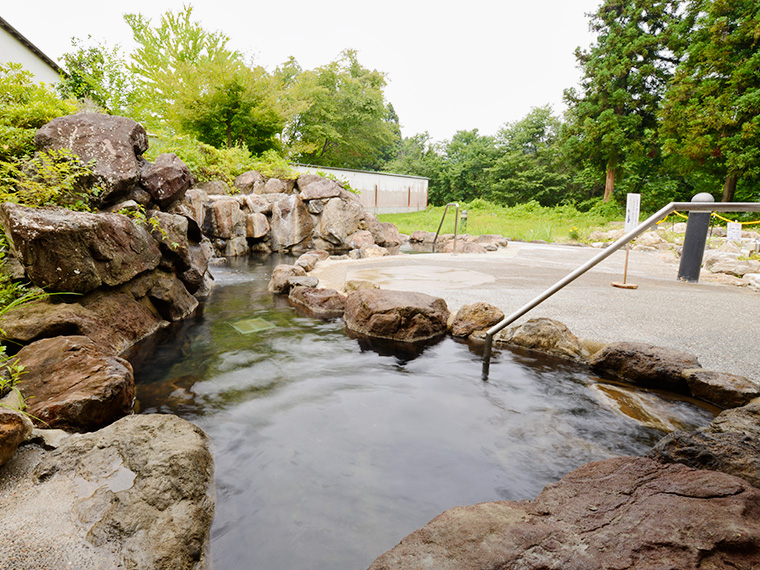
523 222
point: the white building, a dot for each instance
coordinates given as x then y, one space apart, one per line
15 48
380 192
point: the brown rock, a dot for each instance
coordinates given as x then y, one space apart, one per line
390 235
77 252
421 236
223 218
396 315
619 513
280 276
71 384
167 179
545 335
475 317
729 444
318 189
360 239
246 181
115 321
307 261
257 226
339 219
115 144
720 388
15 428
646 365
321 303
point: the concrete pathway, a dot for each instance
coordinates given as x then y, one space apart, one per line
718 323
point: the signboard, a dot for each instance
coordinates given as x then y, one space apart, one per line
632 206
734 231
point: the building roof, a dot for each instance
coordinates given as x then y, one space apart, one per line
33 48
362 171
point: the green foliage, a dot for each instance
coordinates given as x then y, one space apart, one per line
612 120
343 120
711 113
528 221
97 73
209 163
26 106
50 178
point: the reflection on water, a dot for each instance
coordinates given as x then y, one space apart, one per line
328 451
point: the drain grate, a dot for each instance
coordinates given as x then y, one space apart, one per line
250 326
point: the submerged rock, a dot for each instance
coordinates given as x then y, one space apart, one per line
137 494
396 315
618 513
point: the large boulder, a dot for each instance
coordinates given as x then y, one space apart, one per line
545 335
114 321
291 223
71 384
167 179
77 252
645 365
317 188
729 444
396 315
247 181
339 219
619 513
475 317
223 218
115 144
137 494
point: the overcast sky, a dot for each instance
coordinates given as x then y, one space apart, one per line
450 65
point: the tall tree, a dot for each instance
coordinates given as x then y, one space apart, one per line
346 122
530 164
711 112
97 73
612 120
191 82
467 157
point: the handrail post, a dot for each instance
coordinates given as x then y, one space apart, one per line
445 210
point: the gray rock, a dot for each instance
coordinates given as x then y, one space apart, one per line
396 315
619 513
237 247
77 252
291 223
645 365
214 187
223 218
279 283
545 335
475 317
137 494
71 384
729 444
338 220
318 189
115 144
462 247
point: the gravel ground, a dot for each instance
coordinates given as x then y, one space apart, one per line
717 323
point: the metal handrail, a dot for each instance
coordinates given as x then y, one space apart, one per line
605 253
456 224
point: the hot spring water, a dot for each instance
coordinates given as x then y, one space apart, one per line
327 452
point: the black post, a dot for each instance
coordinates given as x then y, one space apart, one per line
694 241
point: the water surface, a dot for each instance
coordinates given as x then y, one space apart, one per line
327 452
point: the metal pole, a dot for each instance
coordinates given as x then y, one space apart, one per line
604 254
694 241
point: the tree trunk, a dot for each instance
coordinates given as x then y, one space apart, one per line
609 186
729 187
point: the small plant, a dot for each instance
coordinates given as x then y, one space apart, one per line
574 233
50 178
342 181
